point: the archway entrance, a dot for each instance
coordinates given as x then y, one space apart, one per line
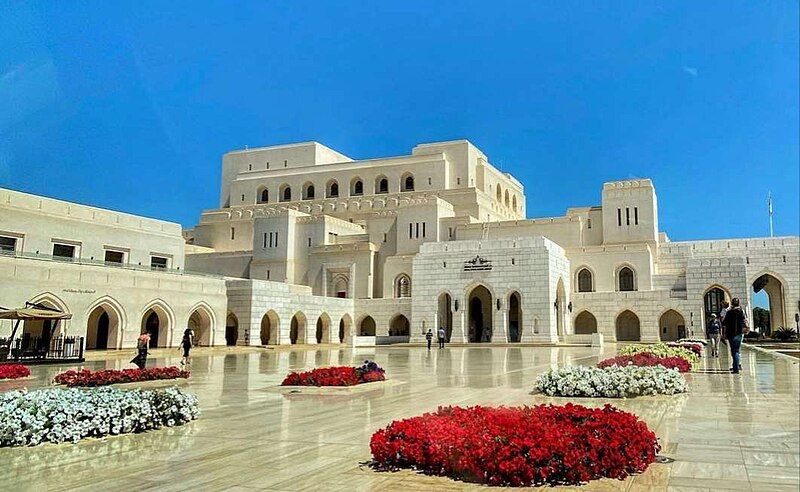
514 318
479 302
269 328
712 303
344 328
399 326
367 327
97 331
297 330
200 324
774 290
231 329
445 317
671 326
323 328
585 323
152 324
628 327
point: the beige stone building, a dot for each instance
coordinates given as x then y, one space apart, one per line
310 246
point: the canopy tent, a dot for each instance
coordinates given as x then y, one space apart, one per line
40 348
32 314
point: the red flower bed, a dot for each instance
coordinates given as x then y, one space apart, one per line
521 446
14 371
647 359
86 377
332 376
697 348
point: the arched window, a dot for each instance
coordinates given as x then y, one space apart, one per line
499 194
333 189
402 286
381 185
407 182
508 200
308 191
356 187
285 193
263 196
514 203
627 279
585 280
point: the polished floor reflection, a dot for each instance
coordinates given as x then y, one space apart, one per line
730 432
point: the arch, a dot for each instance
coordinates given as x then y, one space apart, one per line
231 329
626 279
399 326
262 195
514 317
514 203
381 185
332 189
308 191
671 326
479 313
285 193
340 286
774 286
445 314
585 323
158 319
402 286
105 333
499 193
366 328
713 298
584 280
345 328
627 327
356 187
507 200
323 332
270 325
297 329
407 182
561 308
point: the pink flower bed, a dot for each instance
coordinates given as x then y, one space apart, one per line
647 359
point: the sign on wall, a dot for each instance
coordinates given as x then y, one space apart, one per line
478 264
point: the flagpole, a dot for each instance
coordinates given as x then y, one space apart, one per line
769 207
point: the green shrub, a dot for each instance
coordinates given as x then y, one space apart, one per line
785 334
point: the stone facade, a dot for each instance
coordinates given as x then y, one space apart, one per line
310 246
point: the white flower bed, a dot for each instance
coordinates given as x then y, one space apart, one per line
611 382
61 415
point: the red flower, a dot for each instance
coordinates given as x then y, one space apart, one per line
86 377
332 376
521 446
647 359
14 371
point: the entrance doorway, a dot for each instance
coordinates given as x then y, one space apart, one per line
628 327
514 318
480 315
671 326
712 303
445 317
297 329
399 326
774 289
231 329
152 325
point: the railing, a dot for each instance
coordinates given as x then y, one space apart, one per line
41 349
101 263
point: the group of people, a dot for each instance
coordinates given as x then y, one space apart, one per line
732 325
440 336
143 344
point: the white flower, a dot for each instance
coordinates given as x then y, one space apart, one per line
611 382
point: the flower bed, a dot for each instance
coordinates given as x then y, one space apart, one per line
368 372
696 348
60 415
694 340
611 382
646 359
14 371
521 446
86 377
660 350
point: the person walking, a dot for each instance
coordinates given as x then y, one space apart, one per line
429 338
441 337
142 344
735 325
713 331
187 342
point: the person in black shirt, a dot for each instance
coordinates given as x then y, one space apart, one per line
735 325
429 337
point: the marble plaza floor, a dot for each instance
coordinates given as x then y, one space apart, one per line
730 432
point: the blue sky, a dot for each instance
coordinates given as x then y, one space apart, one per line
130 105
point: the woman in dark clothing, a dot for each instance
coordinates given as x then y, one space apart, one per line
186 344
141 345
